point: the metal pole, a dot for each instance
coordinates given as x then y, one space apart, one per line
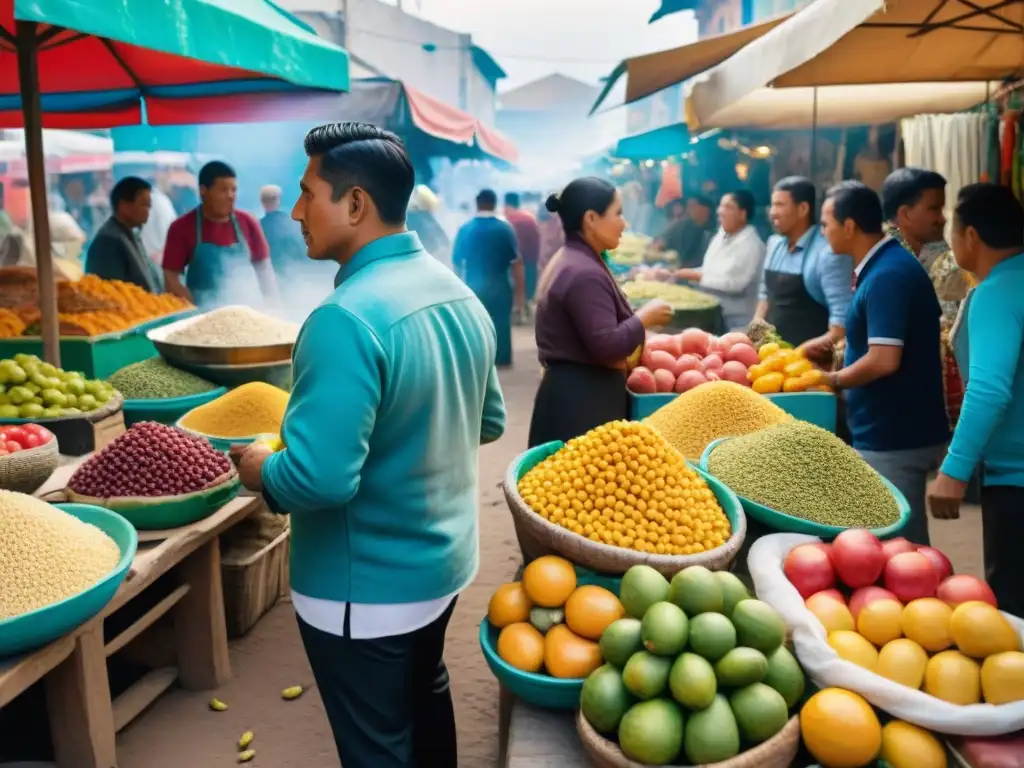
346 32
814 141
32 111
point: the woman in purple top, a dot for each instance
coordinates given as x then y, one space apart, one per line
586 329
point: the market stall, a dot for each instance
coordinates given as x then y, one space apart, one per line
161 564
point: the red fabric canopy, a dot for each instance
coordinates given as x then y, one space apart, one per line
438 119
494 142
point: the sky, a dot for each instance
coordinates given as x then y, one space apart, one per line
581 38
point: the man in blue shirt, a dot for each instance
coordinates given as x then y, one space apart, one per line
394 391
988 241
892 375
486 256
805 289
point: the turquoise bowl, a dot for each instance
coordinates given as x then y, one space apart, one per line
780 521
818 408
35 629
534 688
222 444
166 410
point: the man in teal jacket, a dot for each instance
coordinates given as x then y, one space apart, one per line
394 391
988 242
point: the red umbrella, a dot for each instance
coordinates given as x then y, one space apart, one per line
95 63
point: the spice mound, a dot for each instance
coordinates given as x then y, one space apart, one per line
622 484
150 459
251 409
47 555
155 379
717 409
805 471
235 327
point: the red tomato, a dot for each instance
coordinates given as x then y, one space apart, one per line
44 434
32 440
33 428
809 569
858 557
17 434
12 446
911 575
4 452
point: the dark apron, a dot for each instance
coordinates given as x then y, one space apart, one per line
218 275
791 308
574 398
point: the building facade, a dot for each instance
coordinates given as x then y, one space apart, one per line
718 17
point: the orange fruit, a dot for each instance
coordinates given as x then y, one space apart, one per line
903 661
853 647
549 580
953 677
840 729
509 605
1002 678
908 746
590 609
926 622
567 655
522 646
832 614
881 621
979 630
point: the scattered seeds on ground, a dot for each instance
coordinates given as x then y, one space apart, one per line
805 471
288 694
245 740
218 706
246 756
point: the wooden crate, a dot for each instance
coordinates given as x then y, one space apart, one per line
254 584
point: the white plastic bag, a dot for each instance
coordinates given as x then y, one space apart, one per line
823 665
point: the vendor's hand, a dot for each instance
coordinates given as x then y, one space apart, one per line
691 275
655 313
250 464
945 494
818 349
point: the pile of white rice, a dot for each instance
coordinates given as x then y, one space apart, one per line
235 327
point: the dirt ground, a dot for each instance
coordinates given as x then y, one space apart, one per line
179 730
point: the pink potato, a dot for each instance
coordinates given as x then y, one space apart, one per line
674 346
713 376
742 353
661 360
711 363
694 341
659 342
664 380
735 371
687 363
688 380
729 340
641 381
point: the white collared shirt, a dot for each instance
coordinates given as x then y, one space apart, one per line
878 246
733 262
366 621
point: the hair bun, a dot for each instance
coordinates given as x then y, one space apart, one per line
553 203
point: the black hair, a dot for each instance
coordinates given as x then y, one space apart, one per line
994 212
365 156
213 170
512 199
801 189
856 200
587 193
487 200
906 186
127 189
744 200
676 201
700 199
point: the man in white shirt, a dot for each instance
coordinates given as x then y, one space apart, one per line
733 261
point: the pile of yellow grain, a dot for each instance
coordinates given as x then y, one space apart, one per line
47 555
251 409
717 409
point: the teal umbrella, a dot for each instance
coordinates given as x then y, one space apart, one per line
106 63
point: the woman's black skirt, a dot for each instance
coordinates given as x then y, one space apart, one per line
573 399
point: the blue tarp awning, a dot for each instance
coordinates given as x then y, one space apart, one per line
656 144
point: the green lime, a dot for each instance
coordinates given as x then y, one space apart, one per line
8 411
30 411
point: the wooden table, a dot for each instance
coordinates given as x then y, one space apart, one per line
83 718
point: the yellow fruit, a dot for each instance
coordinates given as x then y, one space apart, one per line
797 368
624 484
953 677
245 740
756 371
218 706
979 630
767 350
292 693
926 622
853 647
246 756
794 384
768 384
840 729
903 661
775 363
590 609
908 746
522 646
832 614
567 655
1002 678
509 605
813 378
881 621
549 580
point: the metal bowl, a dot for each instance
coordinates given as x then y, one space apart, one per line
188 356
279 373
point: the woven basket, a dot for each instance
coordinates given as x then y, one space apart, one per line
778 752
26 471
538 537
